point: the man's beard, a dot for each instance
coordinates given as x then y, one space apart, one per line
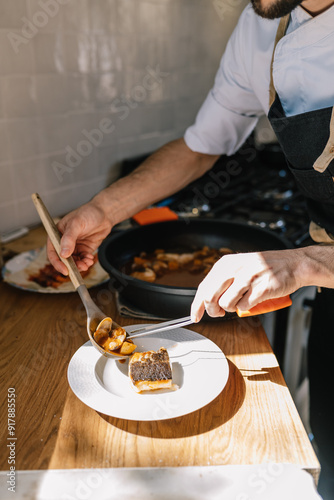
278 8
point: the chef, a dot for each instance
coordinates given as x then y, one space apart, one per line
280 62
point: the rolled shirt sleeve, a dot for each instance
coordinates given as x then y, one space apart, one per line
231 110
217 130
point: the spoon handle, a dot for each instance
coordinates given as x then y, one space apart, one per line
55 236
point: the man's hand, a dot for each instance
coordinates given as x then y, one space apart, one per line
244 280
83 231
166 171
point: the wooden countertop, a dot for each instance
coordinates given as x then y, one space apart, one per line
252 421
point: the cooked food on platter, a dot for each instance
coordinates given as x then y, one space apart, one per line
32 271
47 276
113 340
151 370
173 268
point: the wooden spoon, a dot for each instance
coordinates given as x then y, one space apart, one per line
94 314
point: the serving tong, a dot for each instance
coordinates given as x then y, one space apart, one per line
161 327
266 306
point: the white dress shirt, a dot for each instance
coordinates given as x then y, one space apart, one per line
303 73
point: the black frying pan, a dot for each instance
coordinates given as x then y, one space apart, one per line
180 235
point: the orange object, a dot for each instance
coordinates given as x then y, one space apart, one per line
153 215
267 306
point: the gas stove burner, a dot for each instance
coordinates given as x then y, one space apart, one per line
259 195
279 225
260 191
275 194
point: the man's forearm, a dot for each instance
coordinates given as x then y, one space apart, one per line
317 266
165 172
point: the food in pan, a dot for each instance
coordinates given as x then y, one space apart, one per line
113 340
151 370
174 268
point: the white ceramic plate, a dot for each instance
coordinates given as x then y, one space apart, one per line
16 273
200 369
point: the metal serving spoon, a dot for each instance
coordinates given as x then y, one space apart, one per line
94 314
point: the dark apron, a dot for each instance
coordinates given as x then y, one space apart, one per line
304 139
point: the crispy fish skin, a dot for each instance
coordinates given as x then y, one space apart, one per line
150 370
151 365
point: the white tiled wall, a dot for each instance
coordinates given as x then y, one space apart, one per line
68 65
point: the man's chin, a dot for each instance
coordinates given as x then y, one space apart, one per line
277 8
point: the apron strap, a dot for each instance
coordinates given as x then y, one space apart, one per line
327 155
281 30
